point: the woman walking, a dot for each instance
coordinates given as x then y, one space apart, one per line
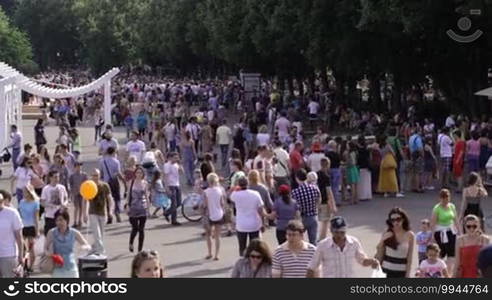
395 250
29 212
187 148
467 248
444 225
473 195
459 160
138 207
387 173
473 152
256 263
353 172
214 204
61 241
285 209
364 186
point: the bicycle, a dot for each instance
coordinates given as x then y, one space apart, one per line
191 208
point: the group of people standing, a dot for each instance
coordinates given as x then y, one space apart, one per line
249 163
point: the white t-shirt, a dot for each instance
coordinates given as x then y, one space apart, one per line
263 139
445 146
450 122
171 171
10 222
136 148
52 198
247 203
314 161
23 176
170 131
313 108
283 126
214 200
432 270
224 135
282 166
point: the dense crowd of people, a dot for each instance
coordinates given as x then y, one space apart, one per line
255 160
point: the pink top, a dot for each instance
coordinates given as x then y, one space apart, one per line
473 147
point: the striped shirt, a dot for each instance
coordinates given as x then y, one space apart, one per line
290 265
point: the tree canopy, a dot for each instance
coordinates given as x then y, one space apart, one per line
288 39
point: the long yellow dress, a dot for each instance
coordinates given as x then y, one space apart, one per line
388 182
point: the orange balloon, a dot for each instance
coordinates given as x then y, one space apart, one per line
88 190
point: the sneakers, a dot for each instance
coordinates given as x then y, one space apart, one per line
429 188
400 195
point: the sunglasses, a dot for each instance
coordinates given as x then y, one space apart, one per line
393 220
256 256
471 226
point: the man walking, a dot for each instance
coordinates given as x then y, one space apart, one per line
308 198
337 254
99 209
171 179
446 153
416 146
224 139
11 246
111 174
16 145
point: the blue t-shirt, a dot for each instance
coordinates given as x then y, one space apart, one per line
142 121
422 237
285 212
415 143
27 210
129 121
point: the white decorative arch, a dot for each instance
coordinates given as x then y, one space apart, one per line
13 82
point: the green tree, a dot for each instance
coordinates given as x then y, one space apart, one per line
109 31
16 49
53 30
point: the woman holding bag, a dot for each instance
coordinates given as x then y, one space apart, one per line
60 244
387 173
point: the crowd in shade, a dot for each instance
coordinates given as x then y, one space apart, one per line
267 160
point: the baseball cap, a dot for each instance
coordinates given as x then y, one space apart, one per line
284 189
338 224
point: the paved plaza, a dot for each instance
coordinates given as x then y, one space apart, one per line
183 248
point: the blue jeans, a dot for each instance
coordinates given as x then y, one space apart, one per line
311 225
224 151
172 146
15 155
175 203
189 167
336 177
19 195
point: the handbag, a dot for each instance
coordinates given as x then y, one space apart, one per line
6 155
378 273
46 264
389 162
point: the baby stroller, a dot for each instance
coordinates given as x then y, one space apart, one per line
4 157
